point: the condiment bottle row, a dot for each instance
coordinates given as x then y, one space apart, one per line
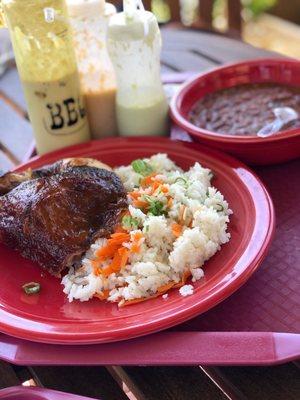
86 70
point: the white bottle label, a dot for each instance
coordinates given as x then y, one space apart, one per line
56 110
49 14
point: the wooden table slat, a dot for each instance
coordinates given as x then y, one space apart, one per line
7 376
15 131
94 382
267 383
220 48
5 163
23 373
169 383
10 85
187 61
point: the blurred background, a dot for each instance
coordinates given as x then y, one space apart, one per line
269 24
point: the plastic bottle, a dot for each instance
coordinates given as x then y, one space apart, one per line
89 20
134 44
45 58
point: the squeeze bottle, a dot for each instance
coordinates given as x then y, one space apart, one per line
45 58
89 21
134 44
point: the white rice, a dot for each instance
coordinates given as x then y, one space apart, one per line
163 258
186 290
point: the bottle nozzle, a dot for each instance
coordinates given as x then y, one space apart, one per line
131 6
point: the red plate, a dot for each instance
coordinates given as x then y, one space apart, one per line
48 317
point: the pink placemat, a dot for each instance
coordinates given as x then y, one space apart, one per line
270 300
258 325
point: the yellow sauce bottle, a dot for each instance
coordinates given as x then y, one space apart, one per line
45 58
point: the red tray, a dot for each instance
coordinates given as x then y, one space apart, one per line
258 325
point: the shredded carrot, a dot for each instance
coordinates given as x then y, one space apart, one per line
184 278
117 239
96 267
160 291
105 252
176 229
112 250
136 301
164 189
126 212
135 248
181 213
115 265
116 242
119 261
95 263
102 296
137 236
155 185
148 180
134 195
166 287
120 229
170 202
124 253
119 235
140 203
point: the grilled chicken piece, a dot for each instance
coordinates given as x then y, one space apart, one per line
13 179
52 215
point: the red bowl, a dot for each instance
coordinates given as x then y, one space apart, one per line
279 148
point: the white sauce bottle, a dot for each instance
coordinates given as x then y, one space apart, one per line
134 45
89 20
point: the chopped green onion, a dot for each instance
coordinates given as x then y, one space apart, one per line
31 288
129 222
147 198
183 180
220 207
156 208
141 167
180 178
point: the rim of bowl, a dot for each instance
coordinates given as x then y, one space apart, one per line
192 129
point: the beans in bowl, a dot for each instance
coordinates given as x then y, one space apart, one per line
245 109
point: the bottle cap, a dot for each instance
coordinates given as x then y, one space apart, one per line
142 24
109 10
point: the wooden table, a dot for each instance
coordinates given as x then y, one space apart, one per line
183 51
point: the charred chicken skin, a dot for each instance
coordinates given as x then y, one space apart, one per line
53 215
